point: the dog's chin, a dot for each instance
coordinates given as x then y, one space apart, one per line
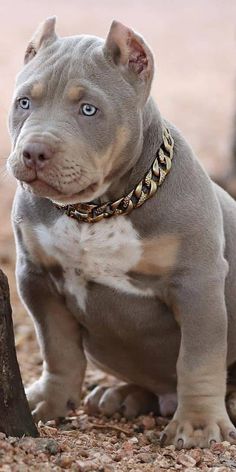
42 189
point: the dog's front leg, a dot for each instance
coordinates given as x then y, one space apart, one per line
59 387
201 417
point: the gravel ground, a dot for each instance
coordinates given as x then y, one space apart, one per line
84 444
194 43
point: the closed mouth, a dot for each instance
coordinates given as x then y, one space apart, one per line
43 188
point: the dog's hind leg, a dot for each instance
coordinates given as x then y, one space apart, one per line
129 400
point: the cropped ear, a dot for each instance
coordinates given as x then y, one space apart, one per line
129 51
43 35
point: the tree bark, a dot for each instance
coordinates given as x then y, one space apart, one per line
15 416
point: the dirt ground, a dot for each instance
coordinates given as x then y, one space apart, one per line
194 43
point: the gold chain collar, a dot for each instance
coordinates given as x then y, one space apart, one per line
145 189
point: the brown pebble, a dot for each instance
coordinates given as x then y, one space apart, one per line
86 466
127 449
117 457
145 457
83 452
197 455
186 460
4 445
152 437
148 422
64 461
38 445
107 468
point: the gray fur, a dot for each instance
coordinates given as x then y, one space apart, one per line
140 339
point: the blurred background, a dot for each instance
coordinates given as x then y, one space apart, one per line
194 43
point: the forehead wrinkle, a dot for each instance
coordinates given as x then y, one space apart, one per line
57 79
67 61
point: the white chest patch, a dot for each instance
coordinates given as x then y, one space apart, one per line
102 252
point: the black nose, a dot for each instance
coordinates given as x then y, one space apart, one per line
36 155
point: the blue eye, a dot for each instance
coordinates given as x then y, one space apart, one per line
88 110
24 103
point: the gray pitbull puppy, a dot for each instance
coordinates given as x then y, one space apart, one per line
149 297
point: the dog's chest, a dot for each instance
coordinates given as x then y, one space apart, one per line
103 252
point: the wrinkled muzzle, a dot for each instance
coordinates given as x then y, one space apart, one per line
58 165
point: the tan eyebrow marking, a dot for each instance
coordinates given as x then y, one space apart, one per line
74 92
37 90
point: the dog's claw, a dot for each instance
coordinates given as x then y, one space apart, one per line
232 434
180 444
163 439
212 442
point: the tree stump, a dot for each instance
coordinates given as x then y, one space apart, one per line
15 416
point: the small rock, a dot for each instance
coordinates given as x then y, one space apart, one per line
64 461
47 445
123 420
49 430
148 422
117 457
107 468
143 440
40 424
38 445
86 466
209 457
82 423
225 444
5 446
186 460
127 449
171 447
218 448
163 463
51 423
197 455
12 440
152 437
2 436
145 457
83 452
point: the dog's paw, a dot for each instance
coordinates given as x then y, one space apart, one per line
52 397
200 430
128 400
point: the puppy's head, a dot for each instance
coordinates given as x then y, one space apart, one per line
76 117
